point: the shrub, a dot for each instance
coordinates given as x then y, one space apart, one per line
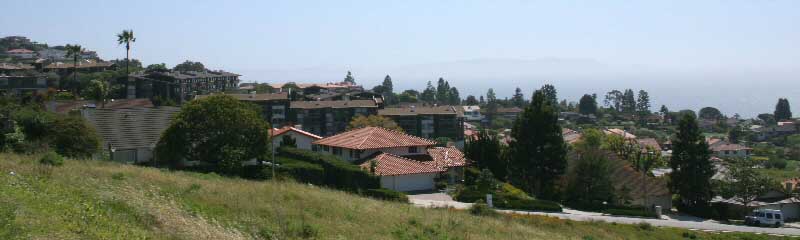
470 175
776 162
338 173
645 226
480 208
469 194
386 194
256 172
51 158
73 137
303 172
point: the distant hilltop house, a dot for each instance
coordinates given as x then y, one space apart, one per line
430 122
21 53
180 86
781 129
619 132
404 162
725 149
84 66
473 113
15 69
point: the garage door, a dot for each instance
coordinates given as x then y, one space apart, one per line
405 183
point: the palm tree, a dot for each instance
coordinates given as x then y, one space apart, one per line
126 37
74 51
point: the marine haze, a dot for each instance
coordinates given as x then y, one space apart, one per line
739 56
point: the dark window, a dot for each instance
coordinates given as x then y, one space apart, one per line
412 149
337 151
777 216
769 215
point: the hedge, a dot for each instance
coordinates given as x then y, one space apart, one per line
386 194
303 171
338 173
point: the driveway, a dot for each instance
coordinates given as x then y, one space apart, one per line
676 221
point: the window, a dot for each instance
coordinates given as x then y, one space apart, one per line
412 150
769 216
760 214
325 148
777 216
337 151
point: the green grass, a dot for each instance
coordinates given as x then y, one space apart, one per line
791 171
103 200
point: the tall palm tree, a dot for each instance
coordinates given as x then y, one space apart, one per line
74 51
126 37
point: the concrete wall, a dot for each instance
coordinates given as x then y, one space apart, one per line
302 141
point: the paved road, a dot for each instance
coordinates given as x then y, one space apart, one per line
442 200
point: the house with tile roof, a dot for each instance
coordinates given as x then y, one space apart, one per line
326 118
404 162
302 139
619 132
724 149
180 86
21 53
20 85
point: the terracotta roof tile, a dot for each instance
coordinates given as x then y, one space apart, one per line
253 97
333 104
372 138
445 157
277 132
392 165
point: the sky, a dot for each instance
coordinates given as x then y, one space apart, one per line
738 56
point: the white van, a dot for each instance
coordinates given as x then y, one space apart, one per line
767 217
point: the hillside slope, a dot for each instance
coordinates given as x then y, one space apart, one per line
103 200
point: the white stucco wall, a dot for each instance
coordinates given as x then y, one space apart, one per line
347 156
302 141
406 183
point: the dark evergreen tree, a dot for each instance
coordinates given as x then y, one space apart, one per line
538 152
471 101
691 168
349 78
614 100
587 105
782 110
429 95
482 101
518 99
643 103
487 152
455 97
709 113
442 89
388 91
628 101
491 104
551 95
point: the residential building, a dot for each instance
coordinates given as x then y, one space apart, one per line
404 162
430 122
724 149
510 113
21 53
317 88
65 107
619 132
274 106
130 135
782 129
20 85
649 143
473 113
302 139
15 69
180 86
52 54
570 136
326 118
84 66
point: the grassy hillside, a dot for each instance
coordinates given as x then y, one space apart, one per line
102 200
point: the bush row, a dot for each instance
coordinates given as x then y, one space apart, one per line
337 173
386 194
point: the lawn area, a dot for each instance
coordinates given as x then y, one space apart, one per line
104 200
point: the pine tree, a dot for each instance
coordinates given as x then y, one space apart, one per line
538 151
587 105
388 90
455 97
442 89
628 101
518 99
782 110
491 104
487 153
550 95
429 95
691 168
349 78
643 107
471 101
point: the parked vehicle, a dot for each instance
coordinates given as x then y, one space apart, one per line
766 217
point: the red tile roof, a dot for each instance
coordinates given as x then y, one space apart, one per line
392 165
373 138
729 147
621 133
19 50
649 142
277 132
445 157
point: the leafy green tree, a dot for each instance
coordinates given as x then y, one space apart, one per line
691 168
159 67
189 66
442 91
220 132
709 113
643 106
538 152
98 91
518 100
388 90
734 134
72 136
373 121
487 152
614 100
589 181
745 183
782 110
126 37
628 101
74 51
429 94
408 96
349 78
491 105
768 119
471 101
551 95
587 105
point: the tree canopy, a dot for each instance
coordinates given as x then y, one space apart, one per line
373 121
782 110
691 166
220 132
587 105
709 113
189 66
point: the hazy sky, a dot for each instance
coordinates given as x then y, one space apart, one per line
611 44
